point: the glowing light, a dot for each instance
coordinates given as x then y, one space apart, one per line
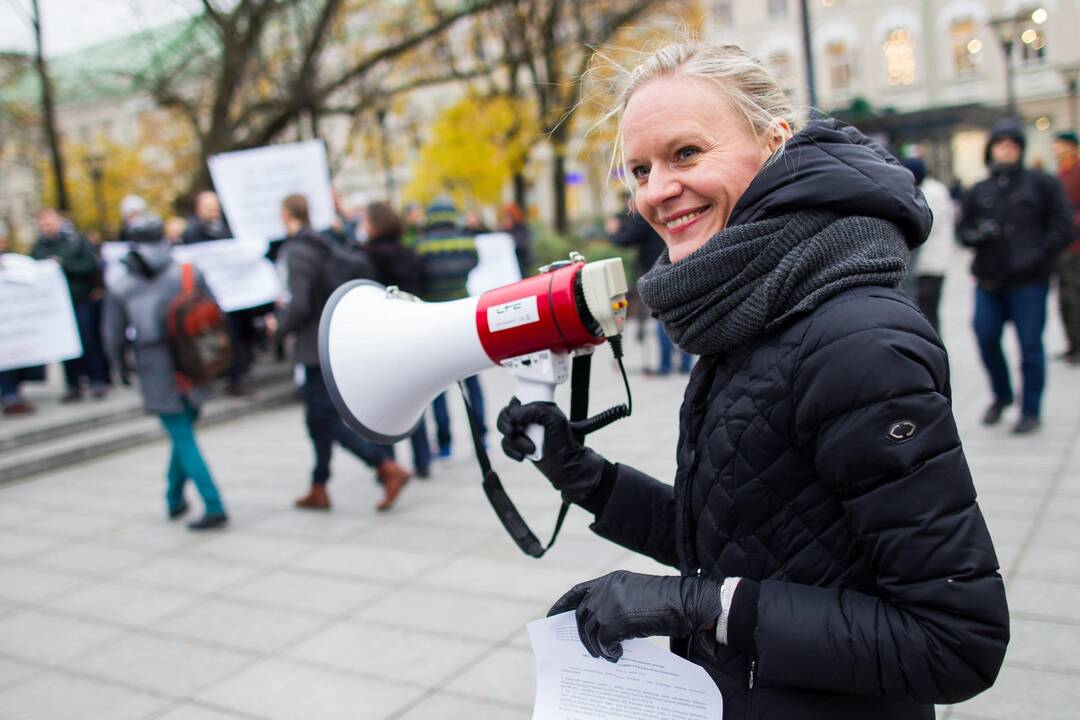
827 3
974 46
1043 123
1039 16
899 52
1029 36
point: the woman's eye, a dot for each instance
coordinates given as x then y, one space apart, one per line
639 171
686 153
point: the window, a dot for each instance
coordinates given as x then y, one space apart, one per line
966 46
723 12
838 63
1032 44
777 9
899 49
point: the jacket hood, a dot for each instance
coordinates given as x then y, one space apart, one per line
1007 128
148 259
829 166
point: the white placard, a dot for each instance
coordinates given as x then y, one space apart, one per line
648 682
237 271
37 320
252 183
497 264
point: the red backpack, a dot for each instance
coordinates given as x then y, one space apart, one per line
198 337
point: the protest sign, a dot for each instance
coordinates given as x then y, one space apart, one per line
252 183
37 320
237 271
497 264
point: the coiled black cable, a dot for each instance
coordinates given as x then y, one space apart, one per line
605 418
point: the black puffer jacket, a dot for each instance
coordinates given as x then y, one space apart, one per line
822 464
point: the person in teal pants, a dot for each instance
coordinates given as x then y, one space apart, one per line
139 301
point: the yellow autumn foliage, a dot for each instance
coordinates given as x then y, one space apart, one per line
473 150
156 167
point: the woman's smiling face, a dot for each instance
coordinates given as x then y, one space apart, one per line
691 157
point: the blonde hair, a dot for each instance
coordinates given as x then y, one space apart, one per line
754 93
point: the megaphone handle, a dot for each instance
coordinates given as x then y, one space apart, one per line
532 391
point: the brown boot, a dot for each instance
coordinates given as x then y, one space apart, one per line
393 478
317 499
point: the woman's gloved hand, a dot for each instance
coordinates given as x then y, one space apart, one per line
572 468
623 605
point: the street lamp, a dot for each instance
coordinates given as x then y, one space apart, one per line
1007 28
95 167
1071 75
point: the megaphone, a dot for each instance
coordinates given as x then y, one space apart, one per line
385 355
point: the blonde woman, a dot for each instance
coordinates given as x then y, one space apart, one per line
832 561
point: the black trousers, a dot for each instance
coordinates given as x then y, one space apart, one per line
928 296
326 427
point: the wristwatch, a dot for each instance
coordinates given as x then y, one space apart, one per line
727 594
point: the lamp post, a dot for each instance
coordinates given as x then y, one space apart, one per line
95 168
1005 26
1071 75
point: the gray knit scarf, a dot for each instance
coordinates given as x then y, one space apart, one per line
751 279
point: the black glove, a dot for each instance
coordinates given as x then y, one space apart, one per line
572 468
623 605
986 231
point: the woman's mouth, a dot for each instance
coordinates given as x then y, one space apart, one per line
680 223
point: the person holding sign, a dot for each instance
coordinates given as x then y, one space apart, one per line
141 299
58 240
831 560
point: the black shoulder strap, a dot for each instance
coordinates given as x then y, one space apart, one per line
493 487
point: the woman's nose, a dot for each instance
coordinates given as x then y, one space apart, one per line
662 186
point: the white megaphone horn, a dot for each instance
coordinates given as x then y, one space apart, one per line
386 355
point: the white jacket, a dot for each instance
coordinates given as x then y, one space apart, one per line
934 255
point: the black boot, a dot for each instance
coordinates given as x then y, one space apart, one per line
993 413
1027 425
209 521
179 511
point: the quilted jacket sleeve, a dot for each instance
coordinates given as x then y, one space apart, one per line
873 412
636 511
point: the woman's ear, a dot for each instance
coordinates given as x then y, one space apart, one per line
778 134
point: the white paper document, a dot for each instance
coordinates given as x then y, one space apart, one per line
37 321
648 682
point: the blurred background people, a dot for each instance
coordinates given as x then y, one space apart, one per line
305 255
174 230
931 261
447 254
59 241
474 222
1065 153
140 299
512 221
629 230
206 223
132 207
396 265
1018 221
11 398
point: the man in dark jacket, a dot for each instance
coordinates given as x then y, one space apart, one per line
1017 220
306 254
207 223
60 242
1067 153
447 256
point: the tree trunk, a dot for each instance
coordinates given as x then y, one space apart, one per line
48 115
520 191
558 178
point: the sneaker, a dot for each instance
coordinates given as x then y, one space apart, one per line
993 413
422 473
444 452
393 478
316 499
209 521
179 511
1027 424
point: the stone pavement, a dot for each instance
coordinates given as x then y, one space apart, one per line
107 611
